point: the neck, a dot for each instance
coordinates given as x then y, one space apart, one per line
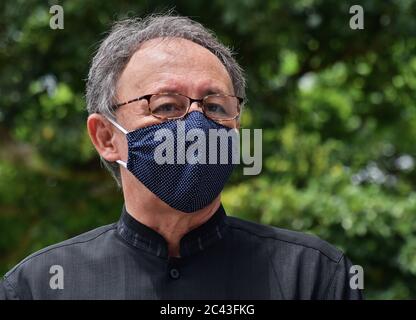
168 222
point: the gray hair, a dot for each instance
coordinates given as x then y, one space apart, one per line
124 40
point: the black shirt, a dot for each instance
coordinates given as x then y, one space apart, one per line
225 258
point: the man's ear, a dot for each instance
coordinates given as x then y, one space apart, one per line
103 136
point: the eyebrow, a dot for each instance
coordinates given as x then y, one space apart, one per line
177 89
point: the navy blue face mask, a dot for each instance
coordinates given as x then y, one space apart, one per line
184 185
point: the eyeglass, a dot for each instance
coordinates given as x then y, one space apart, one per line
169 106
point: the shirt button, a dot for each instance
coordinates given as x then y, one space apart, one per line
174 273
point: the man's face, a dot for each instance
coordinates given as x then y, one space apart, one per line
167 65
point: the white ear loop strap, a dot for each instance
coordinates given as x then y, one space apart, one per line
122 163
117 126
122 130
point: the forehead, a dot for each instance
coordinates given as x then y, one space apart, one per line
179 64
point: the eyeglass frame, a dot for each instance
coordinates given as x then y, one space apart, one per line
147 97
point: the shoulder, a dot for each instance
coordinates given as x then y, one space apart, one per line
279 238
77 247
303 265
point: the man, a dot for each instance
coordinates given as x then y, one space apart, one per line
174 239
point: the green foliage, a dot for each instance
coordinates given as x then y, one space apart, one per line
337 109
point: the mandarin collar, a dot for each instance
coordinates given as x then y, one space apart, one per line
145 238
